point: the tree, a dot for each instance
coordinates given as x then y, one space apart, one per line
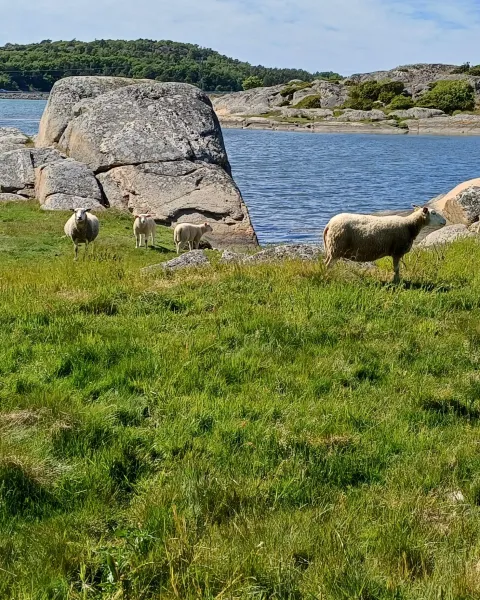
449 96
252 82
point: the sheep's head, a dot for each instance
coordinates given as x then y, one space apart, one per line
207 227
432 217
80 214
143 217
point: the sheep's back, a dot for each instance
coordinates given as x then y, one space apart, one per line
366 237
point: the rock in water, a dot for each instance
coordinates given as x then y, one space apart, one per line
153 147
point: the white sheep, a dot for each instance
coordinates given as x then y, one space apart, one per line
365 238
189 233
144 225
81 228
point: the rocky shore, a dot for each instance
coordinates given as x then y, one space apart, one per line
24 95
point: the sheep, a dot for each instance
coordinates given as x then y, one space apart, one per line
187 232
81 228
144 225
365 238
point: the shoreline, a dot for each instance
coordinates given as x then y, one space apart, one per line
24 95
415 128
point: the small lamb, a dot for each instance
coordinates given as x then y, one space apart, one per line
144 225
366 238
189 233
81 228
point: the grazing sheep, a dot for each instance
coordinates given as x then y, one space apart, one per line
81 228
144 225
187 232
365 238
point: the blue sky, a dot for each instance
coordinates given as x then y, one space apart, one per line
348 36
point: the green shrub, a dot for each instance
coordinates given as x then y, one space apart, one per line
284 103
449 96
313 101
465 68
475 70
401 103
363 95
252 82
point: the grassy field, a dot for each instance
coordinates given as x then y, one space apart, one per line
266 432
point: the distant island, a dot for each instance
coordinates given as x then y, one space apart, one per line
36 67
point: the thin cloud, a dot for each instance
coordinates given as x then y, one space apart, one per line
348 36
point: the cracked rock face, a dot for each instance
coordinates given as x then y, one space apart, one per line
67 184
149 147
17 169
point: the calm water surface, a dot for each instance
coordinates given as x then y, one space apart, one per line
294 182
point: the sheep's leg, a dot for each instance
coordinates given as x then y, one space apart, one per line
76 251
153 238
191 245
146 240
396 269
329 261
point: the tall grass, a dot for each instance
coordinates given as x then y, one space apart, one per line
270 432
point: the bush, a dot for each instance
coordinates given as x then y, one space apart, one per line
449 96
364 95
252 82
313 101
475 70
401 103
465 68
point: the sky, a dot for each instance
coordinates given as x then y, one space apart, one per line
346 36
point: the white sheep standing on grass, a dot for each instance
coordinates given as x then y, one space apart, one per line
365 238
189 233
81 228
144 225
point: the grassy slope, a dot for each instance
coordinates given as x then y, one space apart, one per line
261 432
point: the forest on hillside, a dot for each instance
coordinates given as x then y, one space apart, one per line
39 66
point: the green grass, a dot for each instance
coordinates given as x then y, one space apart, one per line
269 432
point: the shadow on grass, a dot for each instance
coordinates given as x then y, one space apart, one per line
160 249
425 286
451 406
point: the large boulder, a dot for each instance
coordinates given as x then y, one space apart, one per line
447 234
142 123
362 115
462 204
66 94
67 184
17 169
153 147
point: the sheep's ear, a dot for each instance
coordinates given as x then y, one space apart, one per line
88 209
206 223
425 210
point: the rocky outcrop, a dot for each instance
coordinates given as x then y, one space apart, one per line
194 258
11 197
63 101
362 115
12 138
417 113
447 234
67 184
17 169
462 204
149 147
463 124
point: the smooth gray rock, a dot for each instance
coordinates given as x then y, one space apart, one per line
194 258
310 113
12 138
445 235
67 180
286 252
142 123
362 115
417 113
12 198
65 95
16 172
69 202
464 207
475 228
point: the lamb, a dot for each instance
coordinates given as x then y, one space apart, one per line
187 232
81 228
144 225
366 237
